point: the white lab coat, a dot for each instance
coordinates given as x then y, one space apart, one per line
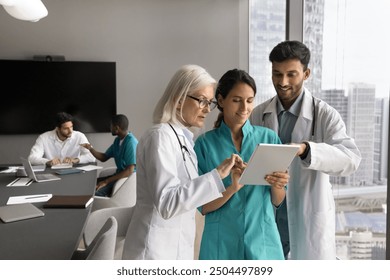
310 202
163 221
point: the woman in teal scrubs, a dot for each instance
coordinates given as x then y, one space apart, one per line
241 224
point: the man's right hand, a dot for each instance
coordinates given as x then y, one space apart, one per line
54 161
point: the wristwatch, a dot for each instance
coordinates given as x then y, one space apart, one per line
306 151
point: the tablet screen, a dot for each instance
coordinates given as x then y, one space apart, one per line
266 159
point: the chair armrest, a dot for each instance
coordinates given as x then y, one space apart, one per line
100 202
118 184
107 171
97 219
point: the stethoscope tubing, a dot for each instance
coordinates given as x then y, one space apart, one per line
184 150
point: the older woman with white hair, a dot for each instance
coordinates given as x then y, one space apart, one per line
169 188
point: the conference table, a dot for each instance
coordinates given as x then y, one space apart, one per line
57 234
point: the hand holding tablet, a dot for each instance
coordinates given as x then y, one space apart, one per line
266 159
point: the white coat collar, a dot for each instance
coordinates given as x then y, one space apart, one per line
302 127
307 107
184 132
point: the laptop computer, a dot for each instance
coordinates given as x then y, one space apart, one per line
44 177
20 172
13 213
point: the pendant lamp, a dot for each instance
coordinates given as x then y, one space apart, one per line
29 10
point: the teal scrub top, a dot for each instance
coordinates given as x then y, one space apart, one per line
244 228
123 154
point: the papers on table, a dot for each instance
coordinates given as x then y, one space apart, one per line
13 169
20 182
29 198
10 169
89 167
20 169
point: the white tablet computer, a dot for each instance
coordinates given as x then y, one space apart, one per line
266 159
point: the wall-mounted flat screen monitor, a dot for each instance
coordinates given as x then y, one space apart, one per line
34 91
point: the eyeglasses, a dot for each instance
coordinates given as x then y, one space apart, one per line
204 102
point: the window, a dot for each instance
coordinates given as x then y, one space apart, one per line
267 28
349 71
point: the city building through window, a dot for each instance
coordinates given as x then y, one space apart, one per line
349 58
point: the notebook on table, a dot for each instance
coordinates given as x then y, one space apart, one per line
18 212
42 177
68 171
69 201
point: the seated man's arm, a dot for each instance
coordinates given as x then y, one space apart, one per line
37 152
85 155
98 155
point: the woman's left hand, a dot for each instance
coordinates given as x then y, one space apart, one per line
278 179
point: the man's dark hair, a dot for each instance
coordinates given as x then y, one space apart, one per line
290 50
63 117
121 121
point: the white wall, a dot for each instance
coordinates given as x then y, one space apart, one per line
149 40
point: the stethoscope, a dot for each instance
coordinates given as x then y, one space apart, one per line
313 121
184 150
313 124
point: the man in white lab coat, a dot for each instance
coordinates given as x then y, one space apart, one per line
326 149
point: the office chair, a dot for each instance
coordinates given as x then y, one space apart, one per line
124 194
107 171
102 247
97 218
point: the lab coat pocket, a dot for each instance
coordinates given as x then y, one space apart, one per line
322 229
164 243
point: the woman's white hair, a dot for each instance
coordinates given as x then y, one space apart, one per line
187 80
